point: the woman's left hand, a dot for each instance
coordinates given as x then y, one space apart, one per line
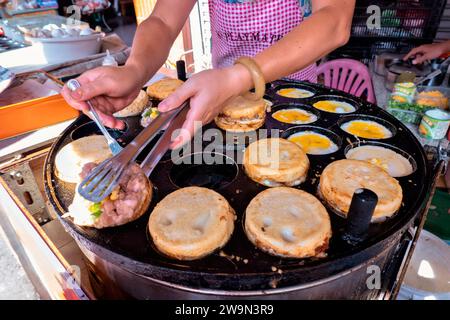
208 91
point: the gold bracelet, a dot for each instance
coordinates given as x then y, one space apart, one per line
257 76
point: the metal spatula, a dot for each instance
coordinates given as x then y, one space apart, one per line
115 147
428 77
105 177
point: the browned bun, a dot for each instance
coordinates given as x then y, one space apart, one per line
239 126
70 160
288 222
242 115
191 222
161 89
276 162
342 178
134 108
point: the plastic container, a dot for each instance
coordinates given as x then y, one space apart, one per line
109 60
407 116
66 49
434 124
405 111
428 97
34 113
404 90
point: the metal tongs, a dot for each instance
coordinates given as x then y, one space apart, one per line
105 177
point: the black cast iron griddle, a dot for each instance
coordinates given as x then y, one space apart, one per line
240 265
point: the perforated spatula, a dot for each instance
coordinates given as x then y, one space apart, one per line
105 177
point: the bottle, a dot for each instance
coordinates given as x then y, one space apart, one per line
109 60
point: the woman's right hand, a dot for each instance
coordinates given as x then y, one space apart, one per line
110 89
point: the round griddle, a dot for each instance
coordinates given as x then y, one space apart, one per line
240 265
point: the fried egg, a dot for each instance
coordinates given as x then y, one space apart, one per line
390 161
314 143
334 106
366 129
295 93
294 116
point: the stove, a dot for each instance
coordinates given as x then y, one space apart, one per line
52 259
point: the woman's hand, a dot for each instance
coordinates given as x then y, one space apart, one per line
208 91
428 52
110 89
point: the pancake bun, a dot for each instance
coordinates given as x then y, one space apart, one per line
242 115
276 162
134 108
288 222
191 223
70 160
342 178
161 89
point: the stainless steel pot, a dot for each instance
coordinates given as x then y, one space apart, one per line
382 61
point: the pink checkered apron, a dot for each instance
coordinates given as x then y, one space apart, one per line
247 27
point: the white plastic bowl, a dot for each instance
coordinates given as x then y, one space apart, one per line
66 49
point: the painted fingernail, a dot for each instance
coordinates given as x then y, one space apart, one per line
176 141
77 94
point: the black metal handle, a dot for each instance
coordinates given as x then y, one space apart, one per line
359 215
181 70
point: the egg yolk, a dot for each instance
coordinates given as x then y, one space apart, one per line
333 106
380 163
311 142
293 116
294 93
367 130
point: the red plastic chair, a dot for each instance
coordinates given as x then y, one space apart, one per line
348 75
